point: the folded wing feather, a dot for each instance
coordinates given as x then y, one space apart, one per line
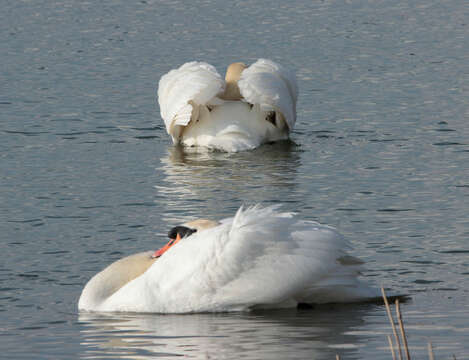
192 83
272 86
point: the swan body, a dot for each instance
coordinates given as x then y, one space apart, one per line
260 258
251 106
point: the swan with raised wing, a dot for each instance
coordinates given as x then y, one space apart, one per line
251 106
260 258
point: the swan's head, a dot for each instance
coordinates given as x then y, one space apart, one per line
233 74
183 231
201 224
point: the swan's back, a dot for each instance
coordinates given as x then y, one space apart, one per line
232 126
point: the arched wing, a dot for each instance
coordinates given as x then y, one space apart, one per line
192 83
271 86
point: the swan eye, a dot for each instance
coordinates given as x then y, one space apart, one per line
270 117
183 232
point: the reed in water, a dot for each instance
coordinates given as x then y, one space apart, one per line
401 336
399 345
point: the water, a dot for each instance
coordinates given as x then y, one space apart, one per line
88 174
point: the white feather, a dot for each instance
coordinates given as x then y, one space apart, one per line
271 85
260 258
196 82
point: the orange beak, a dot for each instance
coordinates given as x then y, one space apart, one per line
165 248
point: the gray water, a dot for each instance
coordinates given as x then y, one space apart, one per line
88 174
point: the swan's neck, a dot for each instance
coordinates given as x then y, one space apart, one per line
107 282
231 92
233 74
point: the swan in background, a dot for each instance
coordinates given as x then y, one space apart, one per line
252 106
260 258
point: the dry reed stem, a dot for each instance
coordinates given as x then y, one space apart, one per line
391 320
337 357
430 351
401 326
391 347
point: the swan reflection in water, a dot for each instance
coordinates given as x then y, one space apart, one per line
318 333
220 182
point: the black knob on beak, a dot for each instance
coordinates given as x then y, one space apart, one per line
183 232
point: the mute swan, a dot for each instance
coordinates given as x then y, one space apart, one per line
253 105
260 258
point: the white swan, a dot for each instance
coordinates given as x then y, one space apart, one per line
260 258
253 105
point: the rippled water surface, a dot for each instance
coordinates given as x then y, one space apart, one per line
88 174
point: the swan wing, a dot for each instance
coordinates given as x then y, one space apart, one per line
178 90
272 86
280 257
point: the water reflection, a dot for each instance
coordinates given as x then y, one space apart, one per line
293 334
220 182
